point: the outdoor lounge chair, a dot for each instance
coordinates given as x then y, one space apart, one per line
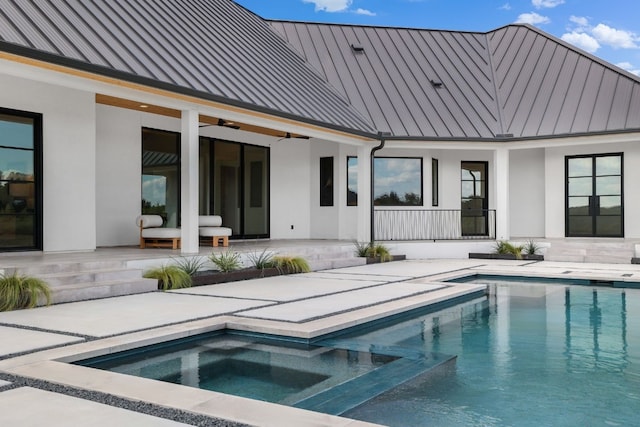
153 235
210 227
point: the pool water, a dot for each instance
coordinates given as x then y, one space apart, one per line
324 379
528 355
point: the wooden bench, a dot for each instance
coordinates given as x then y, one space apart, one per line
153 235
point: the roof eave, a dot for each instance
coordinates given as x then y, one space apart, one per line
120 75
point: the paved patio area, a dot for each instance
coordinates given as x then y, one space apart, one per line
38 386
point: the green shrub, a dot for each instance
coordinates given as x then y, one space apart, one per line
362 249
226 261
375 250
19 291
169 277
531 248
190 265
261 260
504 247
291 264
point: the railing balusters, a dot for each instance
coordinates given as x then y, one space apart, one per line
431 224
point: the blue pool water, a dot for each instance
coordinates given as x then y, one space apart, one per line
529 355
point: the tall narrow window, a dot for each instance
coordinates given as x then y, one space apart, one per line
161 175
434 182
326 181
352 181
20 180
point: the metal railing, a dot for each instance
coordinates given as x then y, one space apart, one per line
434 224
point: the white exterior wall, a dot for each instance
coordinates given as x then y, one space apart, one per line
555 183
69 158
324 219
527 193
290 189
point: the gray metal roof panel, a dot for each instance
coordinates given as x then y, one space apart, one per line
514 80
211 48
390 81
547 87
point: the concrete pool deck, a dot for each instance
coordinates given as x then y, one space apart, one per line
38 343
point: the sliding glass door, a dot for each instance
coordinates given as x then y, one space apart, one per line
20 180
234 183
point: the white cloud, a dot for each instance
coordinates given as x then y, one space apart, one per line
330 5
505 6
539 4
366 12
581 21
615 38
629 67
582 40
532 18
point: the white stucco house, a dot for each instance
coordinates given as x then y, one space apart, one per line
110 109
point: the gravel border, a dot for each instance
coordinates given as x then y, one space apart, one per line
119 402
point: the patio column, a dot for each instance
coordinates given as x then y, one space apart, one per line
364 193
501 162
189 149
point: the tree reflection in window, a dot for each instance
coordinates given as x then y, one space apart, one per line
397 181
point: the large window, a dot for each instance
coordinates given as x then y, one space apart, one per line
161 175
20 180
397 181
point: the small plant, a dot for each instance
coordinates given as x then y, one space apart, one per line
362 249
19 291
261 260
189 265
226 261
531 248
291 264
373 250
504 247
169 277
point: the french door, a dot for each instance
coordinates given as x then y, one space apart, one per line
594 196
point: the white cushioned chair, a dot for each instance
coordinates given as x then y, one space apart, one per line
210 227
153 235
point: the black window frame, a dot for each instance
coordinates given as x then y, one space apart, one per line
421 195
326 181
352 196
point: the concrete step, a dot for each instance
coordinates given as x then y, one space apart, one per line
71 267
592 252
88 276
105 289
329 264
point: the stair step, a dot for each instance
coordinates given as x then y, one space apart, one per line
72 267
96 276
88 291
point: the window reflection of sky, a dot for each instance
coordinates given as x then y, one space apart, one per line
154 189
352 174
16 132
399 175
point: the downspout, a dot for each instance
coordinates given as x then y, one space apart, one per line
381 137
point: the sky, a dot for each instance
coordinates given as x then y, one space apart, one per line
608 29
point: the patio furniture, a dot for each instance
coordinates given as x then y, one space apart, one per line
154 235
210 227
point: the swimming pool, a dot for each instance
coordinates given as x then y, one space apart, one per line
529 355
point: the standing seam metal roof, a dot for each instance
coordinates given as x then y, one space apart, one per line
213 49
515 81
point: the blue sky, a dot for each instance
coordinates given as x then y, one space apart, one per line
609 29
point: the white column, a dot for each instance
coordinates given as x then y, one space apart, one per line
189 148
364 193
501 167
